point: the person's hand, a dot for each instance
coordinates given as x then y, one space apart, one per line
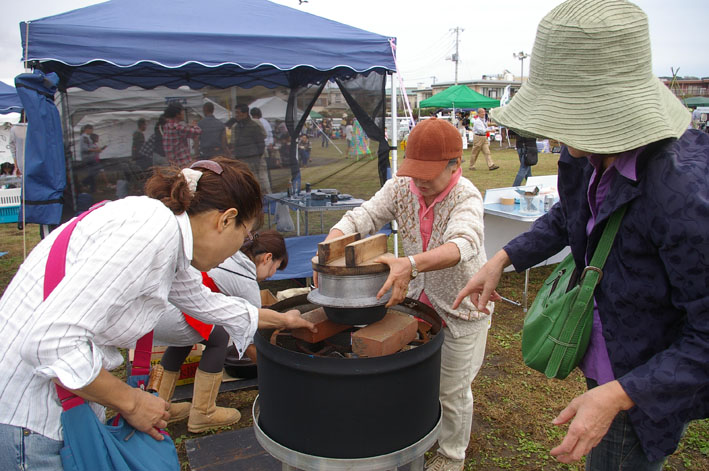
398 279
481 287
592 414
148 413
293 320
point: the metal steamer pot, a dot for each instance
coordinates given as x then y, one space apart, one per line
351 299
349 407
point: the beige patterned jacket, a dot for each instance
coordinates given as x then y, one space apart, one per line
458 218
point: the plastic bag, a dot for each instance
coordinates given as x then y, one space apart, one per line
284 221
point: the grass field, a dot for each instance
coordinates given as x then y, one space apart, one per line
514 406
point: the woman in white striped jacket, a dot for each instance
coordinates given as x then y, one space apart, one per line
126 263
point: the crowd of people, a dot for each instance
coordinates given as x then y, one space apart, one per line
183 260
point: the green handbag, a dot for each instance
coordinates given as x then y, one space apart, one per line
558 326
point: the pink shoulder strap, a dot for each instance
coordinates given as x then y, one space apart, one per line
54 272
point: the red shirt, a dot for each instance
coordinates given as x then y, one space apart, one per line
174 142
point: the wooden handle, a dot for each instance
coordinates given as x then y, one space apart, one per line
366 249
335 248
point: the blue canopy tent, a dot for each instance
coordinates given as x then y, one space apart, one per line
251 42
244 44
44 174
9 100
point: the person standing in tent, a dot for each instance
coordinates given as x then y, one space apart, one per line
626 144
126 264
138 138
257 115
143 162
212 141
90 152
176 134
248 141
264 175
440 217
480 141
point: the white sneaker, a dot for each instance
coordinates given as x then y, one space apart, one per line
442 463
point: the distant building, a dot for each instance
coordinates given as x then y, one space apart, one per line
684 87
492 86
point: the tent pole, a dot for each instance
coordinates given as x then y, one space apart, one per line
394 154
68 138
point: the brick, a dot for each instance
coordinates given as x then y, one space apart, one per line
386 336
326 328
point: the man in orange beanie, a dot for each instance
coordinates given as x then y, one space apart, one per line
440 217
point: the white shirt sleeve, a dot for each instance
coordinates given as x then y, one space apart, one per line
236 315
110 263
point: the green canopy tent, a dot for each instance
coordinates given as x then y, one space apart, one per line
696 101
459 96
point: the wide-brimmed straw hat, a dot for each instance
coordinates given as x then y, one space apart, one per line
591 84
431 144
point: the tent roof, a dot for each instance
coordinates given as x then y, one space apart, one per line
9 100
696 101
120 43
459 96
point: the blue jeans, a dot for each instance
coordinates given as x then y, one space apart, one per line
620 448
523 172
24 450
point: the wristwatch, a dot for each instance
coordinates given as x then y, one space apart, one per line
414 270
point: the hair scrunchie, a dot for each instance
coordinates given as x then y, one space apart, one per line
191 176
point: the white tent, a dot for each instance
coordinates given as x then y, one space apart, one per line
103 99
271 107
114 114
115 130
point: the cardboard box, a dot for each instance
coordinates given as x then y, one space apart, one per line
267 298
189 367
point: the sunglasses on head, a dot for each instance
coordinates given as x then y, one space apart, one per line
208 165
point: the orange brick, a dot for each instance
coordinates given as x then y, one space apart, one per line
386 336
326 328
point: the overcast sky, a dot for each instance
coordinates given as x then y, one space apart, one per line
492 32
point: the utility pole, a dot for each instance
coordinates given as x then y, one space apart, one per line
521 56
455 57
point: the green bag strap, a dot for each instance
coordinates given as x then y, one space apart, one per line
604 247
589 279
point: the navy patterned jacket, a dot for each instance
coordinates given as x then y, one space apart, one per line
653 299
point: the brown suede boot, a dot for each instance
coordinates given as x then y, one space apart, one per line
178 410
205 414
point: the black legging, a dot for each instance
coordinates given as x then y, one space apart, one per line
212 357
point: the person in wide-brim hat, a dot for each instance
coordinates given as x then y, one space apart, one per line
627 148
591 84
